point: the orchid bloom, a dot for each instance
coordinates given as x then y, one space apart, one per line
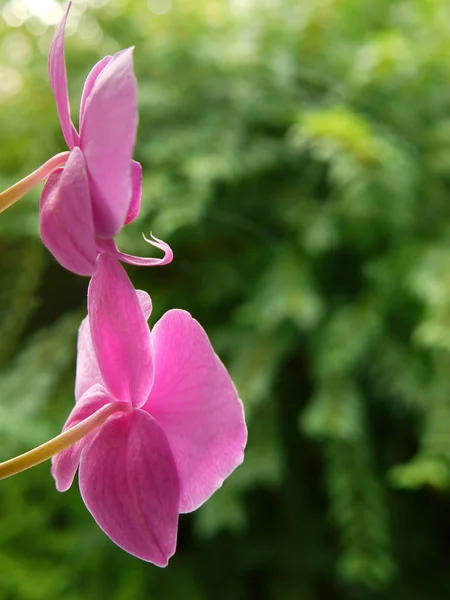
157 424
86 202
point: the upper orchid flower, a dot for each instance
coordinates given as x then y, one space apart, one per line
157 424
85 203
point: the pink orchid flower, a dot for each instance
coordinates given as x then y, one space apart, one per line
86 202
177 427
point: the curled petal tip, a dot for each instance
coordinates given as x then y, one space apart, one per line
154 241
157 243
109 247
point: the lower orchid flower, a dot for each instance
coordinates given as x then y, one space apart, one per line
93 190
157 424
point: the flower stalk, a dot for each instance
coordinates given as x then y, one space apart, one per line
60 442
19 189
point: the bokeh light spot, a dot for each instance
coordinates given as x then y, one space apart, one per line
159 7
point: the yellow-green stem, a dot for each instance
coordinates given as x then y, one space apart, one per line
61 442
19 189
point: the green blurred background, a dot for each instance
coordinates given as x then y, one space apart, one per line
296 157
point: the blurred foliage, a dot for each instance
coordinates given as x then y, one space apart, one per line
297 158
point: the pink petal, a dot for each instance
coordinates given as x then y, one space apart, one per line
196 404
58 82
88 373
90 80
66 223
65 464
120 334
129 483
107 137
146 303
136 191
110 247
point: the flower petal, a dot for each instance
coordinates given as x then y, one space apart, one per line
196 404
65 464
136 191
58 82
66 223
129 483
88 373
107 137
90 80
110 247
146 303
120 334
